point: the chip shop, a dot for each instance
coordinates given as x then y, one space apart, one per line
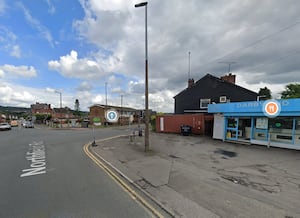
273 123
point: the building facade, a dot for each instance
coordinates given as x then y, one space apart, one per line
272 123
125 115
41 108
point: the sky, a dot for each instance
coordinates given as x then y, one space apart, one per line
94 50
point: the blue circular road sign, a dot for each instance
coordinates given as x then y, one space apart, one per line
112 116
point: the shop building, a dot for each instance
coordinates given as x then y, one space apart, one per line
273 123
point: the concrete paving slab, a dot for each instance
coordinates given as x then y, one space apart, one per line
153 169
194 175
182 206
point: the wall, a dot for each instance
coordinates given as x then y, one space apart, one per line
172 123
97 112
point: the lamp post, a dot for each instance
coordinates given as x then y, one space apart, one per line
60 107
142 4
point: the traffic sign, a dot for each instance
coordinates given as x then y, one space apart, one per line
112 116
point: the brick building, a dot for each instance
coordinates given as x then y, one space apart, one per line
41 108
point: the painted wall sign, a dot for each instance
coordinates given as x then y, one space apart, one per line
96 120
112 116
271 108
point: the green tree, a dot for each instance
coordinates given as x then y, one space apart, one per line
291 91
264 93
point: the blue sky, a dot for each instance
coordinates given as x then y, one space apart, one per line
76 47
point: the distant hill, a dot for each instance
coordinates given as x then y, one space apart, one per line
13 110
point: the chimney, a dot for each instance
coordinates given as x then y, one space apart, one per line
190 83
229 78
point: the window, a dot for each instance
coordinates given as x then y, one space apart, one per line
281 123
223 99
261 123
297 123
204 103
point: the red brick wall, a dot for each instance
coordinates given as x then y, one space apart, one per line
97 112
172 123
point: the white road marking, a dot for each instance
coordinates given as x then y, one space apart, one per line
37 156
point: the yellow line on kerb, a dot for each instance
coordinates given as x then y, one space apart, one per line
118 180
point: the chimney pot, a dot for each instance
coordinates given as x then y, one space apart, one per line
191 82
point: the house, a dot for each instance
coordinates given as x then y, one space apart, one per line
125 115
62 116
210 89
191 104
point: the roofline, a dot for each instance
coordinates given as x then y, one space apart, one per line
111 106
217 79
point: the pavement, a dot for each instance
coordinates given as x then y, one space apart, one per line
196 176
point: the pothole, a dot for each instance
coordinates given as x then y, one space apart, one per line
226 153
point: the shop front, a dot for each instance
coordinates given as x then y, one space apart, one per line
272 123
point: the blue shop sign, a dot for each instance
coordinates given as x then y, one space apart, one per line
285 107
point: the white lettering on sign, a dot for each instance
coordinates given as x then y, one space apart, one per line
37 156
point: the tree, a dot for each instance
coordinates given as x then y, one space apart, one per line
291 91
264 93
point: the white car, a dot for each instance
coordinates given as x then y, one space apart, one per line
28 124
5 126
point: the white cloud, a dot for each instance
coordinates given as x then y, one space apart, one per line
8 42
104 22
20 71
12 95
98 99
73 67
84 86
51 9
36 24
50 90
261 43
15 52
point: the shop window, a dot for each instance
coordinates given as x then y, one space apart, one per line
204 103
281 129
298 124
281 123
261 123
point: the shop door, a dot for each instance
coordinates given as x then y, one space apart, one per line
232 125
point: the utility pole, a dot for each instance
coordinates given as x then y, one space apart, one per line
105 94
121 115
189 65
147 146
229 64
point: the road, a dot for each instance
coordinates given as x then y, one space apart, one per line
45 173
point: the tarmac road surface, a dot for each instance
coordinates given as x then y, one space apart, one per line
45 173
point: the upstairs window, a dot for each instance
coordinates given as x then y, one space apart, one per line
204 103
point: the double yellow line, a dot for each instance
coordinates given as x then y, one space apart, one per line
119 181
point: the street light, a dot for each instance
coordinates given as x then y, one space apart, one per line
60 107
142 4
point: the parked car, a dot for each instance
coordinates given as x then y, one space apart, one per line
5 126
28 124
